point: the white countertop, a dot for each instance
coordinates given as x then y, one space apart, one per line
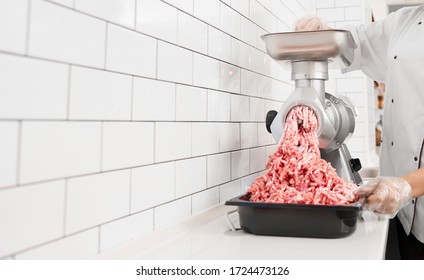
207 236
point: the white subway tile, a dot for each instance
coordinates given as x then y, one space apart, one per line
206 199
130 52
208 11
152 185
190 103
265 3
264 137
127 144
257 159
325 3
257 109
360 130
172 141
118 11
239 164
58 149
229 77
270 150
99 95
229 190
156 18
205 139
205 71
219 169
26 86
61 34
192 33
96 199
249 83
190 176
249 135
13 25
356 144
153 100
172 212
175 63
260 44
332 14
219 106
240 53
31 215
353 13
185 5
125 229
342 3
239 108
262 17
9 153
230 21
241 6
229 136
219 44
248 32
68 3
295 8
259 61
80 246
265 87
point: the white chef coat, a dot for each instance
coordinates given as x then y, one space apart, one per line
392 51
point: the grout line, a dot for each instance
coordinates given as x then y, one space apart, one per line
106 41
135 14
101 144
157 59
65 209
28 27
19 152
68 105
175 179
99 238
131 180
132 99
154 142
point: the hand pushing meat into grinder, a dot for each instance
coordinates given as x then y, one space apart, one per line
308 55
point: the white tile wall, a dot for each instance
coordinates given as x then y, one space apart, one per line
153 100
164 26
130 115
99 95
127 144
13 25
219 169
121 12
125 229
190 103
58 149
190 176
96 199
60 34
9 153
31 215
152 185
27 83
130 52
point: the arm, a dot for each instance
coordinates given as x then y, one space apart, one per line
416 180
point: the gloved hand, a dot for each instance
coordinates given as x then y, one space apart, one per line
310 23
386 195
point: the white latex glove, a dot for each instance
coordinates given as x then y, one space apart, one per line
386 195
310 23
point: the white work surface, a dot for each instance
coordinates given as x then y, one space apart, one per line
207 236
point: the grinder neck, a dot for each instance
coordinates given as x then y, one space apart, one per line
311 73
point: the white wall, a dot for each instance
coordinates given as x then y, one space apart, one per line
121 117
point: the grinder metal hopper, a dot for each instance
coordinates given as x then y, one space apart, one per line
308 55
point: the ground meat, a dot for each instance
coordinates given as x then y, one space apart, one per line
296 173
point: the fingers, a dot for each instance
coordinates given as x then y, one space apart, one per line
368 189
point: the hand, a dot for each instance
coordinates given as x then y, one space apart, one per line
310 23
386 195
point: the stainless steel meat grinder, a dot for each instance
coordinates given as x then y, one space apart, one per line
309 55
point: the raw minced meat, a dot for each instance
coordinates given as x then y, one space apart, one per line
296 173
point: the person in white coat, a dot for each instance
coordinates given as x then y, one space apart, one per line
392 51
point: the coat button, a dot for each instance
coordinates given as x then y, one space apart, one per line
419 23
413 201
415 158
392 143
393 100
395 57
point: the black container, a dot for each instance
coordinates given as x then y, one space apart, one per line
298 220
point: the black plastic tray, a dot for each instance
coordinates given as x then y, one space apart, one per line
300 220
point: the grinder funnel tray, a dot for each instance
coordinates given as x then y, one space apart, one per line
336 46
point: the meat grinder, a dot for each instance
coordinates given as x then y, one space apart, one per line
309 55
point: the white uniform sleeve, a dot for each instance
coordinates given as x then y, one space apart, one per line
371 56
